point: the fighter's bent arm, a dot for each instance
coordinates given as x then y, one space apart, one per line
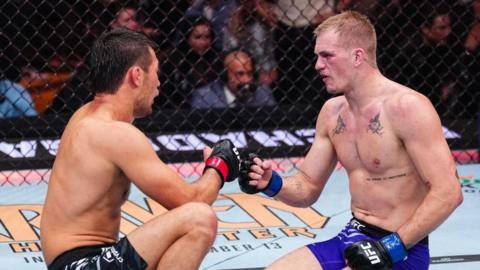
131 151
304 188
422 134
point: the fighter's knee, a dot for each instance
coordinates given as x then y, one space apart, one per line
203 219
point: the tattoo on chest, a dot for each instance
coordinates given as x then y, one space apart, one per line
392 177
374 126
340 128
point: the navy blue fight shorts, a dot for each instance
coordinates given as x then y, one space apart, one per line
120 255
330 253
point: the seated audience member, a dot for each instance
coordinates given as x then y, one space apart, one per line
193 64
471 99
15 101
395 27
251 28
164 16
366 7
217 12
237 88
46 74
430 64
73 95
73 92
126 17
129 17
472 41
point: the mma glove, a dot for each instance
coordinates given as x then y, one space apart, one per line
225 160
376 255
274 185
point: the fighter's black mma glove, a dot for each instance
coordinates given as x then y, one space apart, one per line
376 255
273 187
225 160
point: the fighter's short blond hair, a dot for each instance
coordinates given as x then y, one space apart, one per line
354 30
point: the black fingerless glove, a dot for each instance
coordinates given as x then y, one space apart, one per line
243 179
225 160
273 187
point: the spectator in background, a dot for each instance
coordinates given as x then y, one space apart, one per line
472 41
129 16
126 17
193 63
51 45
217 12
298 81
11 60
15 101
363 6
164 15
236 89
432 66
76 93
471 99
395 26
251 28
73 95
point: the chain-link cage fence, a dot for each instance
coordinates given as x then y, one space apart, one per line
430 46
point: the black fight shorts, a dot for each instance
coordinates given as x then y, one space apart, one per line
121 256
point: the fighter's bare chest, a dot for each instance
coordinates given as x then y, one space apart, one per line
365 141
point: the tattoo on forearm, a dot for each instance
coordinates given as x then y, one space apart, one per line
392 177
293 183
374 126
297 184
304 174
340 128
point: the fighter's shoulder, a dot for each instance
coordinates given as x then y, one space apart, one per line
105 132
125 133
405 101
102 126
329 113
407 107
332 106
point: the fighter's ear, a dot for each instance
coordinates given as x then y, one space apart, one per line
358 56
134 75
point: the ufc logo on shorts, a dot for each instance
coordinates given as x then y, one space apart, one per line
371 255
112 254
357 225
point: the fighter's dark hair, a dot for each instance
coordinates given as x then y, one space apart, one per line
113 53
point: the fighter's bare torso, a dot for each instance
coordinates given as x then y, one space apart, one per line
384 184
86 211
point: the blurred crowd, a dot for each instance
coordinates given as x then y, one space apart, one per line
231 53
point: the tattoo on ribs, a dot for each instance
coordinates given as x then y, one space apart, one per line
340 128
374 126
386 177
